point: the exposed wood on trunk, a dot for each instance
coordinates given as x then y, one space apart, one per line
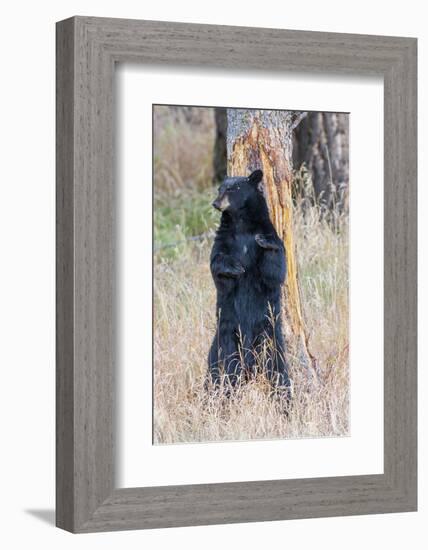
263 139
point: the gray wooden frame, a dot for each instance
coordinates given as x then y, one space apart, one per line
87 50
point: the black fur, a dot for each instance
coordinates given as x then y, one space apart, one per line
248 266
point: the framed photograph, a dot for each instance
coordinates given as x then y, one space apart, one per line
236 274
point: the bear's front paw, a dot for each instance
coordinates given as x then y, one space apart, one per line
230 267
266 242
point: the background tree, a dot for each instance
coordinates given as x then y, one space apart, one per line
220 153
263 139
321 141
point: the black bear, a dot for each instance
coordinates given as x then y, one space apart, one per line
248 265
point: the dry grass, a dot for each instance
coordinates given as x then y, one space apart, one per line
183 149
184 325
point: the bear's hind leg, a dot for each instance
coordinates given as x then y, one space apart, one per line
213 377
224 362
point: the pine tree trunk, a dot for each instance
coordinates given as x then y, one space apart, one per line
220 153
263 139
322 143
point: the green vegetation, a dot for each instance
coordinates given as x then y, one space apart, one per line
176 218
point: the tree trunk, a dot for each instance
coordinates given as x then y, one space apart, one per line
321 141
263 139
220 153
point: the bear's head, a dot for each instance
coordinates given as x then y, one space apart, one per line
235 193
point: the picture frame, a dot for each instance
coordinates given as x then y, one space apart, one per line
87 50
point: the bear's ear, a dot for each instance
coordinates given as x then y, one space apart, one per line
256 177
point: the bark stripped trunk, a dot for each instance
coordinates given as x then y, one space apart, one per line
263 139
321 141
